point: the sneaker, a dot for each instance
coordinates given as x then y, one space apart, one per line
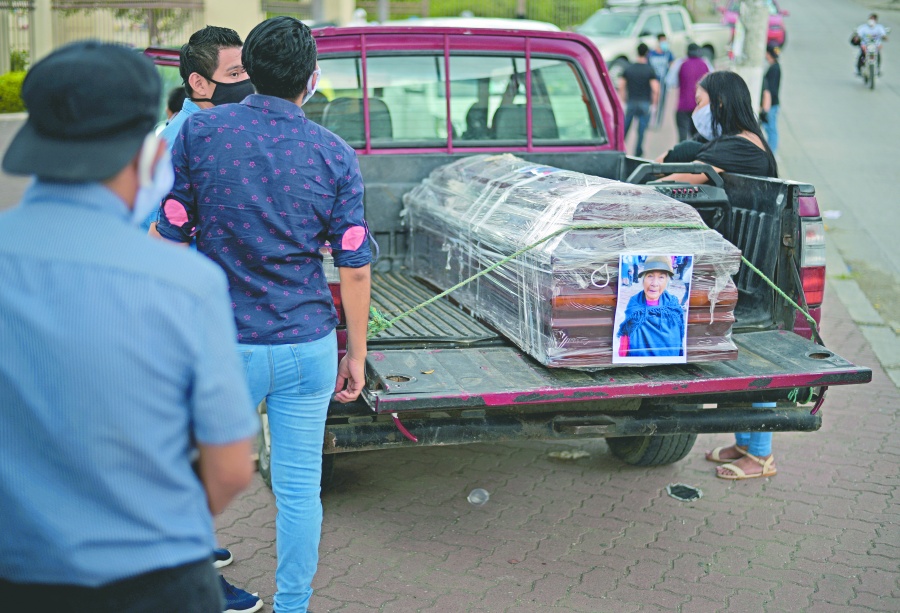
222 557
239 601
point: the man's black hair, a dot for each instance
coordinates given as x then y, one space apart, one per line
643 49
732 108
280 56
661 36
201 53
176 99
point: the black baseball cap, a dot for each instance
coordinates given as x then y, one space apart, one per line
90 106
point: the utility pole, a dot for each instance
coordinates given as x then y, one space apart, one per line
521 9
754 16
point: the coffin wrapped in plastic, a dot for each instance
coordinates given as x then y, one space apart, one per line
557 300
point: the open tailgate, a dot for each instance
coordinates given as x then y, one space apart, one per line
435 379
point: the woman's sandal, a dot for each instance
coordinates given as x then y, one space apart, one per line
767 469
715 457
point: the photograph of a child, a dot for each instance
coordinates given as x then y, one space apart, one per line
650 326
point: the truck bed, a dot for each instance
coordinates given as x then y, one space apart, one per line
440 358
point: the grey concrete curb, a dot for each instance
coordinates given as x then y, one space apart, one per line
881 335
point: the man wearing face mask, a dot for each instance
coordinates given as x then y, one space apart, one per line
660 59
118 369
870 32
265 190
212 73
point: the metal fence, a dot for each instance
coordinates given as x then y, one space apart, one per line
301 9
15 34
136 23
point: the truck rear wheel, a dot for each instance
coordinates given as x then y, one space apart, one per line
264 462
651 450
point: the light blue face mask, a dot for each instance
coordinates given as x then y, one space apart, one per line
702 118
152 188
664 46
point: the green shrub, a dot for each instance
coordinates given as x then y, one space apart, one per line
18 60
11 92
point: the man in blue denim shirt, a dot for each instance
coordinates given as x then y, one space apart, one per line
263 189
117 365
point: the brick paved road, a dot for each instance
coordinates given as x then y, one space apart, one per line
596 535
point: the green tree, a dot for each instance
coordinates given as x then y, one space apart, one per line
157 21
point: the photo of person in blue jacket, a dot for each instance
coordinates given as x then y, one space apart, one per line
654 321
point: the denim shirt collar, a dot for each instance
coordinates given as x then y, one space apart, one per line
93 196
189 107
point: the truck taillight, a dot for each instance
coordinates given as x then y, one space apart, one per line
336 296
812 261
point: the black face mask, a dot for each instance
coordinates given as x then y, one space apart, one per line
227 93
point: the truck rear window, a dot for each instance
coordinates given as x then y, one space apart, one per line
407 100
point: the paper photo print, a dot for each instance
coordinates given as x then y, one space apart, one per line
650 325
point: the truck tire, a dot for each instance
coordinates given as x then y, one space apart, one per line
327 470
651 450
264 462
708 53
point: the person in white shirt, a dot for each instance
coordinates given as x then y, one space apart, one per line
874 32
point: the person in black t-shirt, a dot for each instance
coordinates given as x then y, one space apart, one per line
724 116
768 114
639 89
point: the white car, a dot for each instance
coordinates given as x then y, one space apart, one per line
617 31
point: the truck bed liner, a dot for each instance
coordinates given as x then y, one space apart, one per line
439 323
442 379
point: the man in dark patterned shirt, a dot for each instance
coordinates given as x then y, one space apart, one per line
265 190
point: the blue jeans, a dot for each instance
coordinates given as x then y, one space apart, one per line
771 127
297 382
640 110
661 103
758 443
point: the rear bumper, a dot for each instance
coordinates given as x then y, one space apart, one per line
485 426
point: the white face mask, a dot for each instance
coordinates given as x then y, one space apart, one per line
311 86
152 187
871 23
702 118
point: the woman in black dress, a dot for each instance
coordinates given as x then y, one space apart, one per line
724 116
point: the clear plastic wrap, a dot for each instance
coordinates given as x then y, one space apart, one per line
557 300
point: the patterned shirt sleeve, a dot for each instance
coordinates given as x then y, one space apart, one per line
178 211
347 230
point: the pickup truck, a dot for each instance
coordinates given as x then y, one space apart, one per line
618 30
412 99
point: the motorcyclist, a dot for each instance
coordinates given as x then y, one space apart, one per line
870 32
